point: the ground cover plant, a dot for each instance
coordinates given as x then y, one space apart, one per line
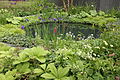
52 52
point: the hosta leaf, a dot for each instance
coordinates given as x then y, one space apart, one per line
43 66
35 52
23 68
48 76
16 62
62 71
101 13
68 78
93 12
53 70
10 77
1 68
2 77
15 22
9 19
13 72
17 18
37 70
22 58
41 59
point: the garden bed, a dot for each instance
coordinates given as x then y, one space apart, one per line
46 42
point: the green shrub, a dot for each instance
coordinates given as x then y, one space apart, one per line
9 29
4 47
21 40
113 38
4 13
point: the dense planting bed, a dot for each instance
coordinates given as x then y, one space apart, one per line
41 41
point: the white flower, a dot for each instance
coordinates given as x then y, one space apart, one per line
94 54
92 5
105 43
97 47
103 47
93 58
111 45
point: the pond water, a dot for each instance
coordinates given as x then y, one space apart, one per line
50 30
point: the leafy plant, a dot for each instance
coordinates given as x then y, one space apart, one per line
4 47
37 53
4 13
22 40
57 74
93 17
14 20
10 29
112 37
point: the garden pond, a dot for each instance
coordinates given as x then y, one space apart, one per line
59 29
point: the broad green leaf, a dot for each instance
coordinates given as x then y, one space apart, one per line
13 72
62 71
10 77
101 13
15 22
18 18
43 66
2 77
9 19
41 59
23 68
57 79
22 58
53 70
93 12
48 76
37 70
1 68
16 62
37 53
68 78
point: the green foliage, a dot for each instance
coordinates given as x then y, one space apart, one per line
64 58
23 68
4 47
93 17
16 64
6 77
114 12
78 9
37 53
112 37
57 74
71 60
19 40
9 29
14 20
4 13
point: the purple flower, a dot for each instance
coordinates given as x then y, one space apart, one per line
26 19
43 20
22 27
39 18
59 18
54 19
